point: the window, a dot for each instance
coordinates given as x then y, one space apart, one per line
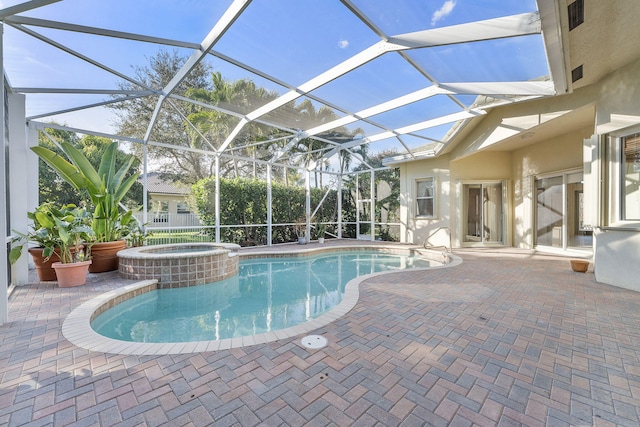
183 208
425 197
631 177
161 207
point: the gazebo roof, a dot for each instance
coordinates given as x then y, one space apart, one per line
389 76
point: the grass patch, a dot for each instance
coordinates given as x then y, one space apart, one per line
164 237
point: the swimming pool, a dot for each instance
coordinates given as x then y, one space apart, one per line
77 329
267 295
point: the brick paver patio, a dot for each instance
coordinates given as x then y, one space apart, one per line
505 338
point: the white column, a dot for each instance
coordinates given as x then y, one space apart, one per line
591 178
33 170
145 201
339 234
217 199
358 195
372 192
4 274
565 230
307 203
19 181
269 211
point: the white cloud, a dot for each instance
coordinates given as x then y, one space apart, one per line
343 44
444 11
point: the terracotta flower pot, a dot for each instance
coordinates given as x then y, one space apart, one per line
46 273
71 274
579 265
104 256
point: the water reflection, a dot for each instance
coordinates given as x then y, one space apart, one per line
267 295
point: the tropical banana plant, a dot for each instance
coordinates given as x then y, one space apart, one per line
106 186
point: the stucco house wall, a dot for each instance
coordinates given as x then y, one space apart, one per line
481 167
412 228
516 143
556 155
170 200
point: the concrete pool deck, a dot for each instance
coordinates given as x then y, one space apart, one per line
507 337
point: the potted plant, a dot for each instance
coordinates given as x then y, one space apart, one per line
137 234
321 229
301 230
73 227
42 233
105 187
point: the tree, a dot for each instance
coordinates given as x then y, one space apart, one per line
134 116
193 126
214 127
54 189
310 150
387 183
387 193
51 187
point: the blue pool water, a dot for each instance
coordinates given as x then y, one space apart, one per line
268 294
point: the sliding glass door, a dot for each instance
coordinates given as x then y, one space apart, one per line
559 215
549 212
483 220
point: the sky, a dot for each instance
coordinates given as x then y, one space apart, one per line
293 43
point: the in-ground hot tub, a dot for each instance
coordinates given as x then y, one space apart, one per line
180 264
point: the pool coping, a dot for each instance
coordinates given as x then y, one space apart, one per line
76 327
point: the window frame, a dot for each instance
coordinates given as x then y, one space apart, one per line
623 174
183 208
418 198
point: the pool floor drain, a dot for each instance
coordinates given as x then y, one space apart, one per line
314 341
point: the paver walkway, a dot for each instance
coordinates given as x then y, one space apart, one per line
505 338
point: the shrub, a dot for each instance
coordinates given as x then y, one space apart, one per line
244 202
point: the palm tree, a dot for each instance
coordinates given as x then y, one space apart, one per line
310 150
213 126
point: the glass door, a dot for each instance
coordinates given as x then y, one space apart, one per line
549 212
560 212
578 233
483 213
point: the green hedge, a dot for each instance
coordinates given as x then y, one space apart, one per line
244 201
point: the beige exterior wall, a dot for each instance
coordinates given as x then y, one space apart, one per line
554 156
416 230
482 167
494 148
516 169
618 98
518 143
171 200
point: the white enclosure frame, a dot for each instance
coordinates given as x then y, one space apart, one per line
544 22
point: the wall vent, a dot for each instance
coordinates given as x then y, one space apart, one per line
576 14
576 74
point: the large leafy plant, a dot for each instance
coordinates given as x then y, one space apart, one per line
106 186
73 229
42 232
56 230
